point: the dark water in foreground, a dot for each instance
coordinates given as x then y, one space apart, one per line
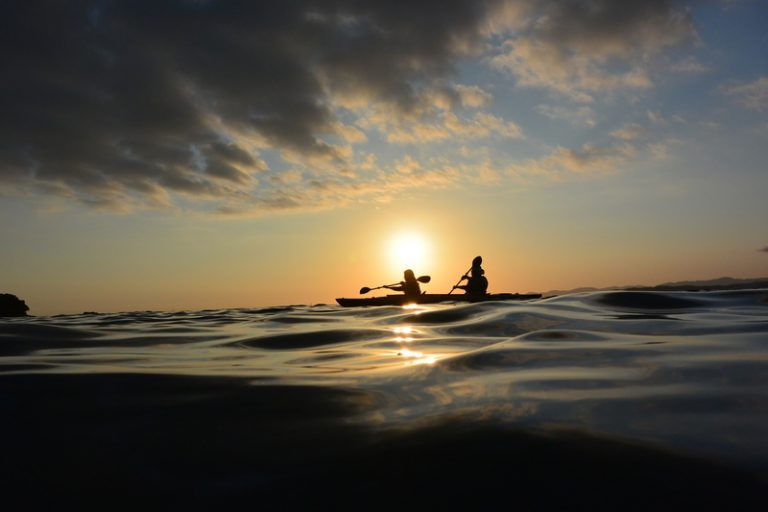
618 400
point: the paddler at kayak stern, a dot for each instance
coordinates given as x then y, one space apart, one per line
410 287
477 283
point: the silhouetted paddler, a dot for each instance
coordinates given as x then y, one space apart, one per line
477 283
409 287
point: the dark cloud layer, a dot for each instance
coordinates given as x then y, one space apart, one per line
113 103
578 47
607 26
104 98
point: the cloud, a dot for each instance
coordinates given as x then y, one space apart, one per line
472 96
402 177
629 131
658 119
588 160
581 116
459 96
752 95
128 103
235 106
688 65
451 126
580 47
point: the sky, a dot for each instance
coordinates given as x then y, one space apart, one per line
190 154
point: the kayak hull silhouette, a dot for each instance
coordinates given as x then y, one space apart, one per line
432 298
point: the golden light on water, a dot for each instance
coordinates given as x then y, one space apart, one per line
406 352
414 357
403 334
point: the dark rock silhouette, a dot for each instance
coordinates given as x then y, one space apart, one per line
11 305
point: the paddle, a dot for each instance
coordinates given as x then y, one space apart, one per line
460 280
421 279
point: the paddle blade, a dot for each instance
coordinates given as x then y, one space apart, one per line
364 289
424 279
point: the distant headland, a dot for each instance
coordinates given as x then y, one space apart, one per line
721 283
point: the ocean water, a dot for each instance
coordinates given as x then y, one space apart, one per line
608 400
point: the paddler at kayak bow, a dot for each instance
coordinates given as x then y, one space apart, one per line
410 287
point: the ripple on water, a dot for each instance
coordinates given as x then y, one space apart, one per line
647 300
323 358
31 331
504 358
295 319
570 335
505 324
311 339
25 338
442 316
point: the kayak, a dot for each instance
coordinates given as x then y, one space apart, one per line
432 298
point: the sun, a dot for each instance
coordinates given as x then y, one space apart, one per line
408 250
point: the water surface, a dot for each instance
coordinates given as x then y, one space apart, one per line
622 391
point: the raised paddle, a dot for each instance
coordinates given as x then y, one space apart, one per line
460 280
421 279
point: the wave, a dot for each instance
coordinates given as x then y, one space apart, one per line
665 387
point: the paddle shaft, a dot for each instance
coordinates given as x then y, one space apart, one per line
421 279
382 286
460 280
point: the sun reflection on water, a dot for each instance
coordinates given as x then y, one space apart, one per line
414 357
403 334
